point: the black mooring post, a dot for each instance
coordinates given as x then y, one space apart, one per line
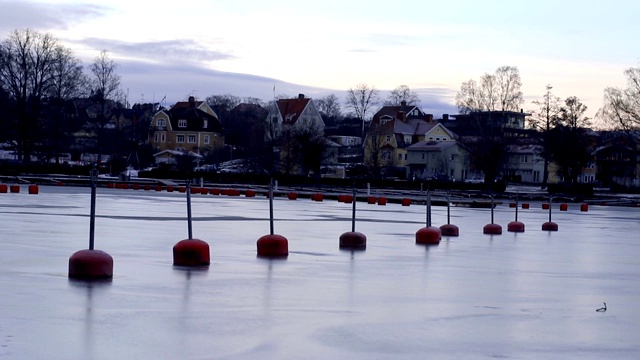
516 206
188 191
550 206
492 207
448 208
353 212
271 205
92 216
428 207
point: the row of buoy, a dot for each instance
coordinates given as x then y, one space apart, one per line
545 206
33 189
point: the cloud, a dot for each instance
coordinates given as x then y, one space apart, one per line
184 50
45 17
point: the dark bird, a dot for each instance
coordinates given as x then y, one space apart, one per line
603 308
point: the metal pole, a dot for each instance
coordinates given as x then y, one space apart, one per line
271 206
492 207
92 216
516 206
550 206
448 208
353 213
188 187
428 208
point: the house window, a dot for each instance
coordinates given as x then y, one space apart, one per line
206 139
205 124
180 139
416 112
525 159
399 156
163 137
405 156
155 137
191 139
182 123
388 138
422 156
161 123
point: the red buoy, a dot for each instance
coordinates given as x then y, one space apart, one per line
147 187
249 193
545 206
371 200
182 189
90 264
492 229
14 189
3 188
136 186
525 206
353 240
191 252
406 202
348 199
550 226
584 207
564 207
512 204
515 226
449 230
292 196
169 188
33 189
158 187
111 185
317 197
215 191
382 200
429 235
273 245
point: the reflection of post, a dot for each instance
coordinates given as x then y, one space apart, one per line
353 214
428 208
271 206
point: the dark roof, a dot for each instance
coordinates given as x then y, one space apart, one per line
195 120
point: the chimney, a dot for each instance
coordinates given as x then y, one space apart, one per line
401 115
192 101
428 117
445 117
300 96
403 103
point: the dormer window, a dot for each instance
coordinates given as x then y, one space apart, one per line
205 124
161 123
182 123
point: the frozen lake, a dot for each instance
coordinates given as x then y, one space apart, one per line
530 295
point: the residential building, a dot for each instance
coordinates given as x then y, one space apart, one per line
190 126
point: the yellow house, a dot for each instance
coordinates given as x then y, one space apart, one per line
189 126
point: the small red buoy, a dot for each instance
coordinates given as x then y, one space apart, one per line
371 200
382 200
564 207
182 189
90 264
430 235
492 229
512 204
169 188
14 189
59 183
215 191
33 189
158 187
406 202
191 252
292 196
317 197
545 206
273 245
125 186
515 226
136 186
3 188
353 240
449 230
584 207
550 226
249 193
111 185
525 206
348 199
147 187
195 190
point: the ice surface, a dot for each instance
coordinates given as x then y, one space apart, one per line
530 295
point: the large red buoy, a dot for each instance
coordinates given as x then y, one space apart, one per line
353 240
449 230
33 189
549 226
492 229
273 245
191 252
515 226
429 235
90 264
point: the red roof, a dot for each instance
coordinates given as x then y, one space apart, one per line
290 109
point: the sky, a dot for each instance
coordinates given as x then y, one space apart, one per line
170 50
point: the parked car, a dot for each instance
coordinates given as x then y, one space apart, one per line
206 168
474 180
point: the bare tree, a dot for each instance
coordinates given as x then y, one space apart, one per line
543 118
360 99
400 94
622 106
495 92
27 58
329 107
105 89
